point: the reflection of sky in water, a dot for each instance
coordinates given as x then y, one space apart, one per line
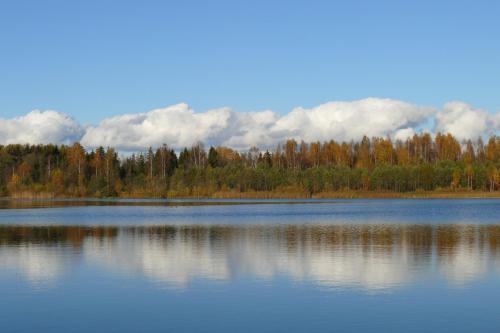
366 257
432 211
360 265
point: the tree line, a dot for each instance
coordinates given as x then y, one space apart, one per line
420 163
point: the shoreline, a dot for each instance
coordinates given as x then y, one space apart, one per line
276 195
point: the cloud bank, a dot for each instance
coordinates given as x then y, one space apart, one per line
180 126
465 121
40 127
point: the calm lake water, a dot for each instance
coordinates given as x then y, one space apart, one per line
230 265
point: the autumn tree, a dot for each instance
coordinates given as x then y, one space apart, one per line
77 161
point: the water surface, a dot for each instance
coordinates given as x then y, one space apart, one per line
343 265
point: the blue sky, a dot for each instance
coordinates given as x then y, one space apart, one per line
95 59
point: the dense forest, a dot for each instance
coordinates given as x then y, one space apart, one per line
296 169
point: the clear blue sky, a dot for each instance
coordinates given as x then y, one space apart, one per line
93 59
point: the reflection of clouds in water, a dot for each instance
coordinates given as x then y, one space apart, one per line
178 260
370 258
174 262
40 265
464 252
465 264
331 266
373 270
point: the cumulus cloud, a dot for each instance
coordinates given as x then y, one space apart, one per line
352 120
180 126
177 125
40 127
466 122
404 133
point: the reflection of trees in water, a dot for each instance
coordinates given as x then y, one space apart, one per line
42 254
418 240
371 256
74 235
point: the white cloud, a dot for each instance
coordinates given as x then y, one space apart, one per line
464 121
40 127
496 121
248 129
177 125
404 133
352 120
180 126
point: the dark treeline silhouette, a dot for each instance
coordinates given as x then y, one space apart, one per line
420 163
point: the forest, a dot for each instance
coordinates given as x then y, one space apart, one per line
419 164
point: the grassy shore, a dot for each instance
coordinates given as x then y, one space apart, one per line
441 194
359 195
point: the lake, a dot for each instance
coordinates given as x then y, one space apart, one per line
250 265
